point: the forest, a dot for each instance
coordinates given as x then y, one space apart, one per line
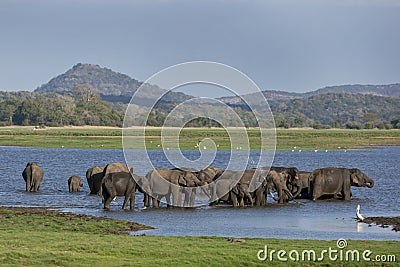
83 105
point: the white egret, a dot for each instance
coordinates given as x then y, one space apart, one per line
360 217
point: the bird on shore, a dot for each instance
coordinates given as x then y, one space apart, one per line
360 217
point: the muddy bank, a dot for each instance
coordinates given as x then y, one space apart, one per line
384 222
81 223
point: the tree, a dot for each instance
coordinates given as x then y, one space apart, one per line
86 93
396 122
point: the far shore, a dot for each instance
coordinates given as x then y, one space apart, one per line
296 139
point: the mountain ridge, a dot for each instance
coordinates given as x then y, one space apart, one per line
111 83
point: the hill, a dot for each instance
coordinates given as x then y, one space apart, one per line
105 80
336 109
392 90
112 86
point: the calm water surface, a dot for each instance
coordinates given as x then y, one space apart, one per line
320 220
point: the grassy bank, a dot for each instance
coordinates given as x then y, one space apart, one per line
37 237
287 139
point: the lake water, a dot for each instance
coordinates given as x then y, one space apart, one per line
311 220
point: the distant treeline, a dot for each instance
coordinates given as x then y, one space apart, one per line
84 106
52 109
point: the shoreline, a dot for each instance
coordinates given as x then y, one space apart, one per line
111 137
131 226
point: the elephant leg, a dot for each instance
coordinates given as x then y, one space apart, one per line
155 202
192 197
168 199
107 202
241 202
346 194
234 199
177 198
250 199
28 184
127 197
132 204
187 197
35 186
146 200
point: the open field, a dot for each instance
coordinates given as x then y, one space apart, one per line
108 137
39 237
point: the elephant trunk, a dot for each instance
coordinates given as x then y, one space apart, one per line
370 182
287 192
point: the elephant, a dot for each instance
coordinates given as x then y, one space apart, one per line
289 178
226 189
208 174
143 186
303 186
233 186
335 181
33 176
119 184
75 183
194 179
164 183
94 176
272 183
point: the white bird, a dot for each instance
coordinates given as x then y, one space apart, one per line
360 217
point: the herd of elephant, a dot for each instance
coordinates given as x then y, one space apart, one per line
237 188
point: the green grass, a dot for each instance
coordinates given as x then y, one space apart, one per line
304 139
42 238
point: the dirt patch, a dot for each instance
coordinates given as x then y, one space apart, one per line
124 228
385 222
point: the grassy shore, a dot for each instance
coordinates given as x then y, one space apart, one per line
106 137
39 237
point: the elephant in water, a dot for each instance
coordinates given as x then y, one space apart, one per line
94 176
289 177
33 176
195 179
75 183
164 183
335 181
274 182
143 186
234 186
119 184
301 188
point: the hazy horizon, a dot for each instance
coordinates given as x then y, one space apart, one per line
293 46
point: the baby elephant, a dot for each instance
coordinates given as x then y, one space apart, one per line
75 183
118 184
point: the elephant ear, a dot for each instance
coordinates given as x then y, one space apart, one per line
235 190
354 179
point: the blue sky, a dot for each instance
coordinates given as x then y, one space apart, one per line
296 46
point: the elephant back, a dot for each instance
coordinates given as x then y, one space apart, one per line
116 167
